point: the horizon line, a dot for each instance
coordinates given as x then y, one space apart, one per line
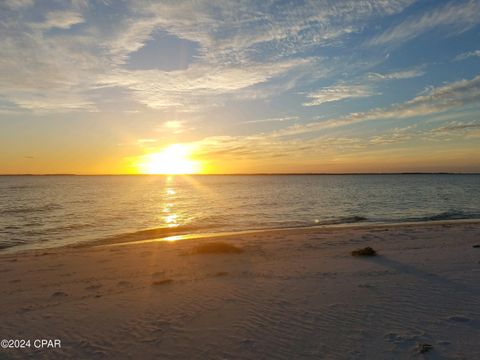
263 174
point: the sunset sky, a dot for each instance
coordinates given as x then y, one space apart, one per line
95 87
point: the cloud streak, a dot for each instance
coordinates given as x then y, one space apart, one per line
436 100
185 90
270 120
337 93
397 75
467 55
460 16
60 20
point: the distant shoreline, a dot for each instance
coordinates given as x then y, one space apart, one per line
260 174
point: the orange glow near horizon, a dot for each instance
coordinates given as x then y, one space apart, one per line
173 160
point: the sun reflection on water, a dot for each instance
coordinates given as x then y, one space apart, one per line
174 238
171 220
170 217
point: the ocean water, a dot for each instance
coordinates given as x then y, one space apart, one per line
46 211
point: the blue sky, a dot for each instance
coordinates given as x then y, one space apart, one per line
272 86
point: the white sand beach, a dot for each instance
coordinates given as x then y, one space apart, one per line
295 294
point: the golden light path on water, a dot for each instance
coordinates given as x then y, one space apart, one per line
175 160
171 217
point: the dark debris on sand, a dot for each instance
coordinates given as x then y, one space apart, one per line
423 348
162 282
368 251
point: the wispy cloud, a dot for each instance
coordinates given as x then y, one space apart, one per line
175 127
243 47
396 75
60 20
18 4
58 102
459 16
326 149
185 90
338 92
467 55
269 120
397 135
432 101
235 32
43 73
457 127
363 86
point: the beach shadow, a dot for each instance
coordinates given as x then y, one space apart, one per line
436 279
448 285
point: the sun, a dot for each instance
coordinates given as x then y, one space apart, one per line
174 159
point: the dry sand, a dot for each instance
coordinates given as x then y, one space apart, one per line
289 295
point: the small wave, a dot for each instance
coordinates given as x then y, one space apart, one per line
69 227
6 246
449 215
343 220
20 187
10 227
354 219
11 242
160 232
152 233
30 209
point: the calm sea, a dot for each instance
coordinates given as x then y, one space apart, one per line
45 211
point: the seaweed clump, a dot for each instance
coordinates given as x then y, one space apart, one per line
368 251
423 348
